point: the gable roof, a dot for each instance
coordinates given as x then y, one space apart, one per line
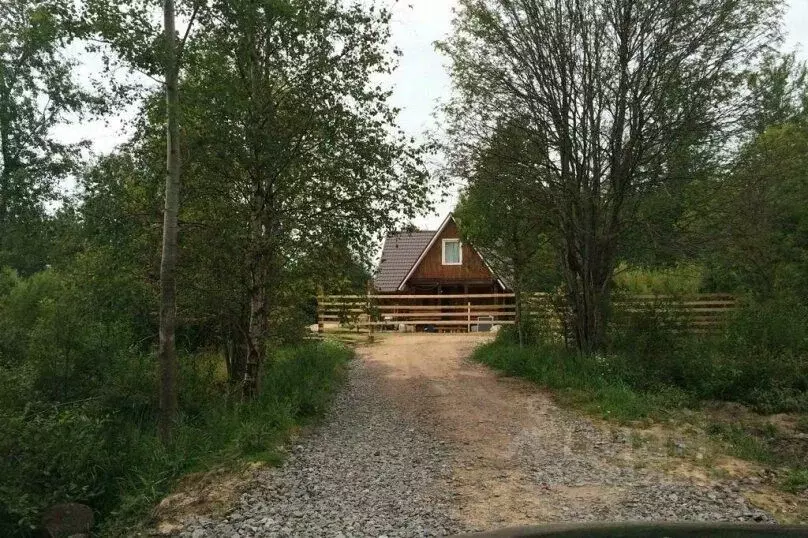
435 235
403 252
399 253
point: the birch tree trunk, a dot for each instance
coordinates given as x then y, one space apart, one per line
167 356
258 322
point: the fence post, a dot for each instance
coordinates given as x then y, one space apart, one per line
468 316
320 300
369 308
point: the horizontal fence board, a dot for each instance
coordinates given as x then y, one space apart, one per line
439 323
386 308
394 297
426 315
682 310
473 307
701 296
449 314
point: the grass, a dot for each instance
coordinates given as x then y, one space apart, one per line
742 442
679 280
621 388
796 480
589 382
768 445
296 388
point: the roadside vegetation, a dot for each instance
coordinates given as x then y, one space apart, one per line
651 366
654 148
653 371
78 408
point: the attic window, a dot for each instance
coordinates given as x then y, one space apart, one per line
452 253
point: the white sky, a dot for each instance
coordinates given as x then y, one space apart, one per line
421 80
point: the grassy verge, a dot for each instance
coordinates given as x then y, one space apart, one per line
296 388
588 382
106 454
612 388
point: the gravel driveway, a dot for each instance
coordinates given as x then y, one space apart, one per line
366 471
422 442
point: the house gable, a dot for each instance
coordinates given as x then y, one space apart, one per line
431 266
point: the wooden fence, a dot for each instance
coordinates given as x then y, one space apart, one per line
479 312
446 312
700 313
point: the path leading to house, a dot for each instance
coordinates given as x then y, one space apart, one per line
423 442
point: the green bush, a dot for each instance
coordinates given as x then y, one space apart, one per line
50 455
21 305
760 358
534 332
763 356
652 348
102 449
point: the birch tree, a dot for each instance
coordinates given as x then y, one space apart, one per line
127 27
167 353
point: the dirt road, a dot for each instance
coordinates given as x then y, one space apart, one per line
519 459
423 442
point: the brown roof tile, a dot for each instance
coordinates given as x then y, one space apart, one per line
399 254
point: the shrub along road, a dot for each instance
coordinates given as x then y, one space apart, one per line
424 442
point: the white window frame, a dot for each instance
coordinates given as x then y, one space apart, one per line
459 251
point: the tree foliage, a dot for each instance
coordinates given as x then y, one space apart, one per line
286 121
763 242
38 91
293 167
613 91
497 214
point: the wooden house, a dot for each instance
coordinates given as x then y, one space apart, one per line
435 262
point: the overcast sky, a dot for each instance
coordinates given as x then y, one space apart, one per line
421 80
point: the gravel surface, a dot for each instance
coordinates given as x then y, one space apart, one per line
365 471
583 457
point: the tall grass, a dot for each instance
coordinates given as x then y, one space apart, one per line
104 452
682 279
593 382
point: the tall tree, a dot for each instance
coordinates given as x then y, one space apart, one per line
289 127
778 92
127 27
762 216
38 91
167 353
614 89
